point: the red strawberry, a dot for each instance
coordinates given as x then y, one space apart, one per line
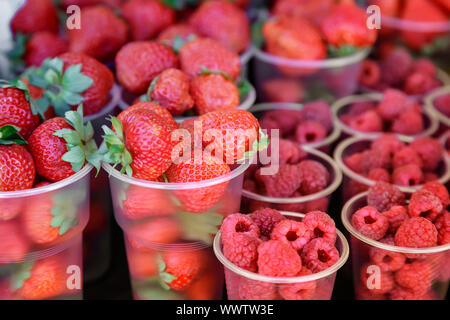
10 208
137 63
155 230
141 263
131 113
13 245
147 18
180 31
17 169
313 10
35 16
210 54
101 35
43 45
224 22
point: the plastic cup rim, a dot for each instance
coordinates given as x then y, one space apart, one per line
113 102
429 104
418 26
245 56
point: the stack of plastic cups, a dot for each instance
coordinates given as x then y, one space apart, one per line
375 264
444 119
169 228
334 77
41 240
317 286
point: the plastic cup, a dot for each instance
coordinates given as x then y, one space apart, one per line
245 58
335 77
317 201
324 145
40 233
354 183
247 101
341 107
373 260
444 120
318 286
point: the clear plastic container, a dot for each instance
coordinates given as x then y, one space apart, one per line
128 98
354 183
375 264
318 286
245 58
333 78
40 234
317 201
341 106
443 119
325 145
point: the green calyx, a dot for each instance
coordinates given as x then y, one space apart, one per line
80 141
16 54
200 227
9 134
115 151
164 277
65 209
20 85
148 96
20 273
179 4
256 28
258 145
62 89
179 42
205 71
341 51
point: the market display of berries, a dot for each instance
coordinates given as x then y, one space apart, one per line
423 222
273 245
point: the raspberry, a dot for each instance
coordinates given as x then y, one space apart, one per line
359 107
429 150
310 131
370 74
292 233
319 111
238 223
425 66
415 277
424 203
283 183
266 219
417 232
439 190
314 177
407 175
285 120
383 196
256 290
406 155
301 290
372 159
409 122
396 66
375 285
394 103
387 142
353 162
319 254
442 104
402 294
241 250
429 176
369 121
369 222
320 225
278 259
396 215
419 83
362 293
387 260
288 152
379 174
442 225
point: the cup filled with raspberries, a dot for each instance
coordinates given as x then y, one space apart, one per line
369 115
310 124
310 50
273 255
400 242
438 102
390 159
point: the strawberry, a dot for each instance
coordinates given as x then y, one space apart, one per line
176 32
390 8
207 53
138 63
43 45
445 4
131 113
421 11
214 91
156 230
13 245
102 34
35 16
141 263
345 26
313 10
61 146
224 22
17 169
147 18
10 208
80 3
208 285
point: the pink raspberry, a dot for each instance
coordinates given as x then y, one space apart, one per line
442 225
425 65
407 175
319 111
439 190
353 162
266 219
359 107
310 131
409 122
370 74
314 177
418 83
387 142
396 66
256 290
383 196
320 225
241 250
385 259
369 121
394 103
406 155
396 215
416 232
319 254
430 151
288 152
238 223
442 104
301 290
283 183
291 232
386 279
424 203
284 119
415 277
277 259
379 174
400 293
372 159
369 222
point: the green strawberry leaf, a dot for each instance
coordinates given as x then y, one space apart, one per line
156 293
439 44
244 88
9 134
341 51
200 227
205 71
75 81
65 209
258 145
16 54
21 272
256 28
